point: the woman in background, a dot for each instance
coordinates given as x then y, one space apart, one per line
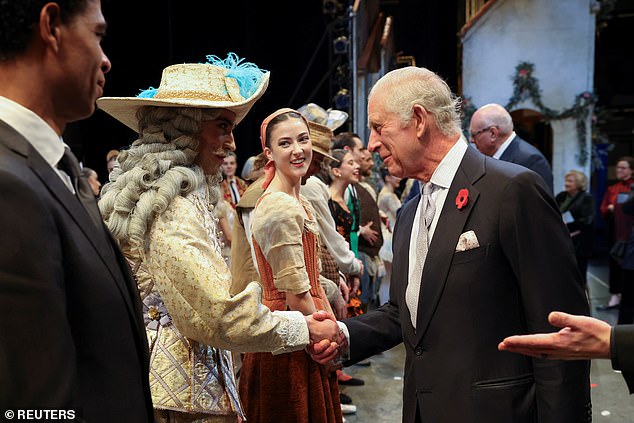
93 180
344 170
618 224
577 207
389 203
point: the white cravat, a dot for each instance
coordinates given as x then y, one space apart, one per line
234 191
428 209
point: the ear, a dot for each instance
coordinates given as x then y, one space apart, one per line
495 132
50 25
420 118
268 153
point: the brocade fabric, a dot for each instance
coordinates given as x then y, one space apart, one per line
184 284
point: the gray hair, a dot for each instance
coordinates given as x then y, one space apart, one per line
581 180
157 167
403 88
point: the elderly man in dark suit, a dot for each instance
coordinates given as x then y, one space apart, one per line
72 341
469 269
491 129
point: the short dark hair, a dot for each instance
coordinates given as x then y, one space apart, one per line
86 172
19 18
345 139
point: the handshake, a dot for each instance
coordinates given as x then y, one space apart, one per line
327 340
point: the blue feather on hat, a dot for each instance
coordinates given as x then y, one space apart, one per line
247 74
148 93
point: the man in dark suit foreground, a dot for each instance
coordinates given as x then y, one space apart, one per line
469 269
71 332
491 130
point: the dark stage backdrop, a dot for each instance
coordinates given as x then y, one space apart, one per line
280 36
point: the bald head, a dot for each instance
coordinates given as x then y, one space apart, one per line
490 126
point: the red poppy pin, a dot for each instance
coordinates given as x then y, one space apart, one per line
462 199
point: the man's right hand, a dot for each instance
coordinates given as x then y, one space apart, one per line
581 338
322 325
325 351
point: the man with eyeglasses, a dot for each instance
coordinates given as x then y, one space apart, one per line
491 130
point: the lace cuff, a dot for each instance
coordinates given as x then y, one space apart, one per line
294 329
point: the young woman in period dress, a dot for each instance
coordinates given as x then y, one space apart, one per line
287 387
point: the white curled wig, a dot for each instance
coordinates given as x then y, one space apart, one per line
156 168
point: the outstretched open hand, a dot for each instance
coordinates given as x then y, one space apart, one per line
581 338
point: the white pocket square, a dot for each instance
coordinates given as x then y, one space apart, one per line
467 241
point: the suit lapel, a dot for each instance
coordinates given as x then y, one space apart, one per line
448 230
98 238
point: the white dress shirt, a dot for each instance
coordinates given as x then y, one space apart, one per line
441 178
504 146
37 132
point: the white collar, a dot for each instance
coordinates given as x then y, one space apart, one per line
32 127
504 146
448 166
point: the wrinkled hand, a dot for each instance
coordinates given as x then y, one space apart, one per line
368 233
581 338
327 349
323 352
322 325
343 287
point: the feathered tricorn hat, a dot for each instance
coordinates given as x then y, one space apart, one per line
218 84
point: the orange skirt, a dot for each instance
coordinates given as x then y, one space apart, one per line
288 388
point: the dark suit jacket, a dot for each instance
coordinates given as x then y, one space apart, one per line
622 352
469 301
524 154
71 329
622 341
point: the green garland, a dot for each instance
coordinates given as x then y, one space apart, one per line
526 86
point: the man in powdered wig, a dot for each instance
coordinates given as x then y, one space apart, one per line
159 206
